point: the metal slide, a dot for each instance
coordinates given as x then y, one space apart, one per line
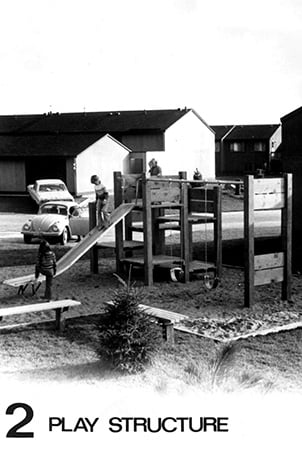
73 255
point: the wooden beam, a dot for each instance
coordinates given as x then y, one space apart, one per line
147 223
268 185
249 234
269 261
118 200
218 230
269 201
267 276
286 227
185 231
94 254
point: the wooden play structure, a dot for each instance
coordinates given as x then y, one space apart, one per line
267 194
165 204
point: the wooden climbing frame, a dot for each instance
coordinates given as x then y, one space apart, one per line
267 194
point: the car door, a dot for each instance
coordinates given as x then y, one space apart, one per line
79 221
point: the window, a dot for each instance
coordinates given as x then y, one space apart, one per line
236 147
259 147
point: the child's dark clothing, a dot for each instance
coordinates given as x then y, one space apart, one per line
46 265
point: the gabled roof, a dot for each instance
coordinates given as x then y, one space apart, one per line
247 132
221 130
294 113
49 145
93 122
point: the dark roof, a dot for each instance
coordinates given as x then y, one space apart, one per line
10 124
221 130
50 145
246 132
104 122
292 114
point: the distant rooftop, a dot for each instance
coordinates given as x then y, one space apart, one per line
244 132
91 122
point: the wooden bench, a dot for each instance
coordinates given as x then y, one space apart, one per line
165 318
59 306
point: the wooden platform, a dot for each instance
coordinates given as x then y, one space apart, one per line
192 218
201 266
157 260
139 228
168 205
167 261
127 245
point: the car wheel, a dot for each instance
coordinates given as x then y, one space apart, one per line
64 237
27 239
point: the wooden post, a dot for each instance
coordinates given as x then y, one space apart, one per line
168 329
218 231
158 235
286 227
184 230
59 322
118 200
249 250
147 223
94 264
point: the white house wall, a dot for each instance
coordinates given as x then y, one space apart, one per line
189 144
102 158
275 140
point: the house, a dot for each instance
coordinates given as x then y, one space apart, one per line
291 156
71 158
242 149
72 146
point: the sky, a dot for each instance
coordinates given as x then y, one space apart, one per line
232 61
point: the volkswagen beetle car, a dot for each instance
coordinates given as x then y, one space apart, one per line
57 220
47 190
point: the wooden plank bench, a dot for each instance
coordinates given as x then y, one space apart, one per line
165 318
59 306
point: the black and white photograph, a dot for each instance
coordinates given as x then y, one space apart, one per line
150 228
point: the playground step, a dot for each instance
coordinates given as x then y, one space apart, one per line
127 245
139 228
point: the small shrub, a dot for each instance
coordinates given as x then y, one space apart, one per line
128 337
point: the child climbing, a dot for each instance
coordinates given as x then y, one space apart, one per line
155 170
197 176
46 265
102 196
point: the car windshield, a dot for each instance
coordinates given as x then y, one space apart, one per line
54 209
51 187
